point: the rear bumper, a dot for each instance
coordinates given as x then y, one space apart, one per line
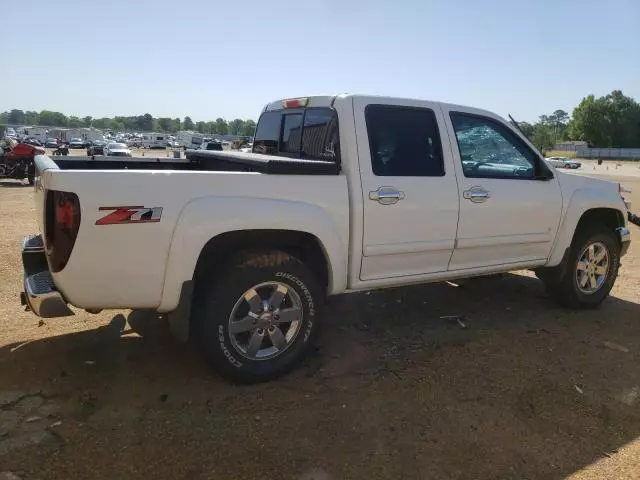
40 294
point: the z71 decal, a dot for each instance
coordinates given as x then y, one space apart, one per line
121 215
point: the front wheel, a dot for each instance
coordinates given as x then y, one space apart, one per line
590 269
258 320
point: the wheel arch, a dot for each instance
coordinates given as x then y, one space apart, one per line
305 246
610 216
246 223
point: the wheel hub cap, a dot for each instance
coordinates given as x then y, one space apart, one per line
592 268
265 321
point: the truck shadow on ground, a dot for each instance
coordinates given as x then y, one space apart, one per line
489 380
14 184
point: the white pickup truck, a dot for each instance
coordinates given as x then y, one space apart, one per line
340 194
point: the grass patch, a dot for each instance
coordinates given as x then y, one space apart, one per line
560 153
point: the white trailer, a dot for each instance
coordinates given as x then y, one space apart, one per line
154 140
39 133
189 139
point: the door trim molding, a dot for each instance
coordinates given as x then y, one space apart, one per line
408 247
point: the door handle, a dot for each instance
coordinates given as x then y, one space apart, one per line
476 194
386 195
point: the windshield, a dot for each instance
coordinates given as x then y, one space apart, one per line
113 146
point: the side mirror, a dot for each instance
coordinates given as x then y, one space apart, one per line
544 171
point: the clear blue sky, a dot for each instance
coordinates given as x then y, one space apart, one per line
207 58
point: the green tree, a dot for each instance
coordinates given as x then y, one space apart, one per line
74 122
200 127
188 124
249 128
541 137
117 125
165 124
86 121
221 126
235 126
52 119
144 122
31 117
624 113
591 122
16 117
4 118
211 128
525 127
102 123
560 116
609 121
176 125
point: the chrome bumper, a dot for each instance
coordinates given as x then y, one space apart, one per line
40 294
625 239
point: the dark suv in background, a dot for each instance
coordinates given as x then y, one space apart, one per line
95 148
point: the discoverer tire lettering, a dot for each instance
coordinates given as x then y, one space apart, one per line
217 295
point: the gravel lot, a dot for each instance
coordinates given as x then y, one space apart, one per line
526 390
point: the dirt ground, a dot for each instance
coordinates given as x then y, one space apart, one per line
525 390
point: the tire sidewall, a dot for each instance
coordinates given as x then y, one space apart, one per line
213 320
613 250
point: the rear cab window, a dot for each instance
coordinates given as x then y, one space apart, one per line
305 133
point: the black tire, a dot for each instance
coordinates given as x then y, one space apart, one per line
31 170
561 282
215 300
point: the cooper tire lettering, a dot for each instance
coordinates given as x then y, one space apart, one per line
225 350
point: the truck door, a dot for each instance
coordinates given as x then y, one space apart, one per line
409 188
510 205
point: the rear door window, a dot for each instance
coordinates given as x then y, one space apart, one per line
404 141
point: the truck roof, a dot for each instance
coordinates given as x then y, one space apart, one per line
328 101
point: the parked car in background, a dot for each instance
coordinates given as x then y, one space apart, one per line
116 150
96 148
213 145
51 143
563 162
247 148
76 143
10 132
32 141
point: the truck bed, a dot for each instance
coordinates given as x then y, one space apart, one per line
197 160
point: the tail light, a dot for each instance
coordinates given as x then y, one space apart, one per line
62 222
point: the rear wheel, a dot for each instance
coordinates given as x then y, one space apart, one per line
258 320
590 269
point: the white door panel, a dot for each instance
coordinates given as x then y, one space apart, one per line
410 222
517 223
502 220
